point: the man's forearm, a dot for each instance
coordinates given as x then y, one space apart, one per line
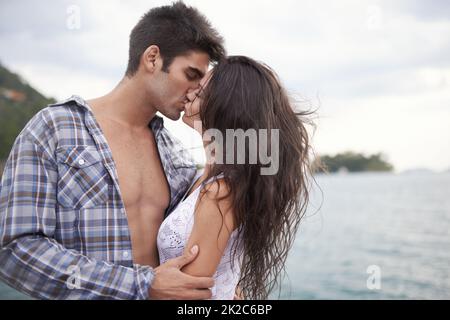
44 269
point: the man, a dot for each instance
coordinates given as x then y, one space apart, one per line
88 183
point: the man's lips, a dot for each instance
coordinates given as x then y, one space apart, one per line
183 107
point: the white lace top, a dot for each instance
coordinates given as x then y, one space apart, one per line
173 236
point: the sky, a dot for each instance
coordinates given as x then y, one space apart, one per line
378 72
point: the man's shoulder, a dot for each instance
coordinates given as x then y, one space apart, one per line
69 110
56 114
54 119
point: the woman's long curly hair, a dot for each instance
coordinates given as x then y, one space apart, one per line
245 94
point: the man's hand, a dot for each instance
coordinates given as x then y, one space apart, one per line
170 283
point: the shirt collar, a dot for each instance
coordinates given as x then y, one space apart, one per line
77 99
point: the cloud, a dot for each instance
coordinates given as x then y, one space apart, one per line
433 10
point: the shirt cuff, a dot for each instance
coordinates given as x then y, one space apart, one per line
143 278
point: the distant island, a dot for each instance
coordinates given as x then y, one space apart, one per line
352 162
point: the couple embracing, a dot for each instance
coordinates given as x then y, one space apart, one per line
99 201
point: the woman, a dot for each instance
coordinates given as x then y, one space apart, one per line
243 221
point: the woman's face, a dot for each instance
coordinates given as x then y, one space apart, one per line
191 114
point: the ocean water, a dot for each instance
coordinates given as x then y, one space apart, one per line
392 230
368 236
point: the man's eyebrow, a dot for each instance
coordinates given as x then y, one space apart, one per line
197 71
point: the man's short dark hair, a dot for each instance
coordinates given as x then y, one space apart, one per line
175 29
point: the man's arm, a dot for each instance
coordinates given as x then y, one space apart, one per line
40 267
48 278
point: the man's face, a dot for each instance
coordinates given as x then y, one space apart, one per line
184 75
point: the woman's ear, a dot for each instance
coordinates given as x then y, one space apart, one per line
150 58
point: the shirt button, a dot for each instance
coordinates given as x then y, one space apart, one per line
125 254
81 162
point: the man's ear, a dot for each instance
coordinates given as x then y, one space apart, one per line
151 58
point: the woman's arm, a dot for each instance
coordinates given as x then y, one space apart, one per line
212 229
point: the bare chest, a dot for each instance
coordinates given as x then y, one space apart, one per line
142 180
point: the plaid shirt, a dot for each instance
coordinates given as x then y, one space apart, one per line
63 227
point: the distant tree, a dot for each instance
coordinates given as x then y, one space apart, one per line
19 102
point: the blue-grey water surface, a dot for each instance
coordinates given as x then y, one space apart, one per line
396 224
